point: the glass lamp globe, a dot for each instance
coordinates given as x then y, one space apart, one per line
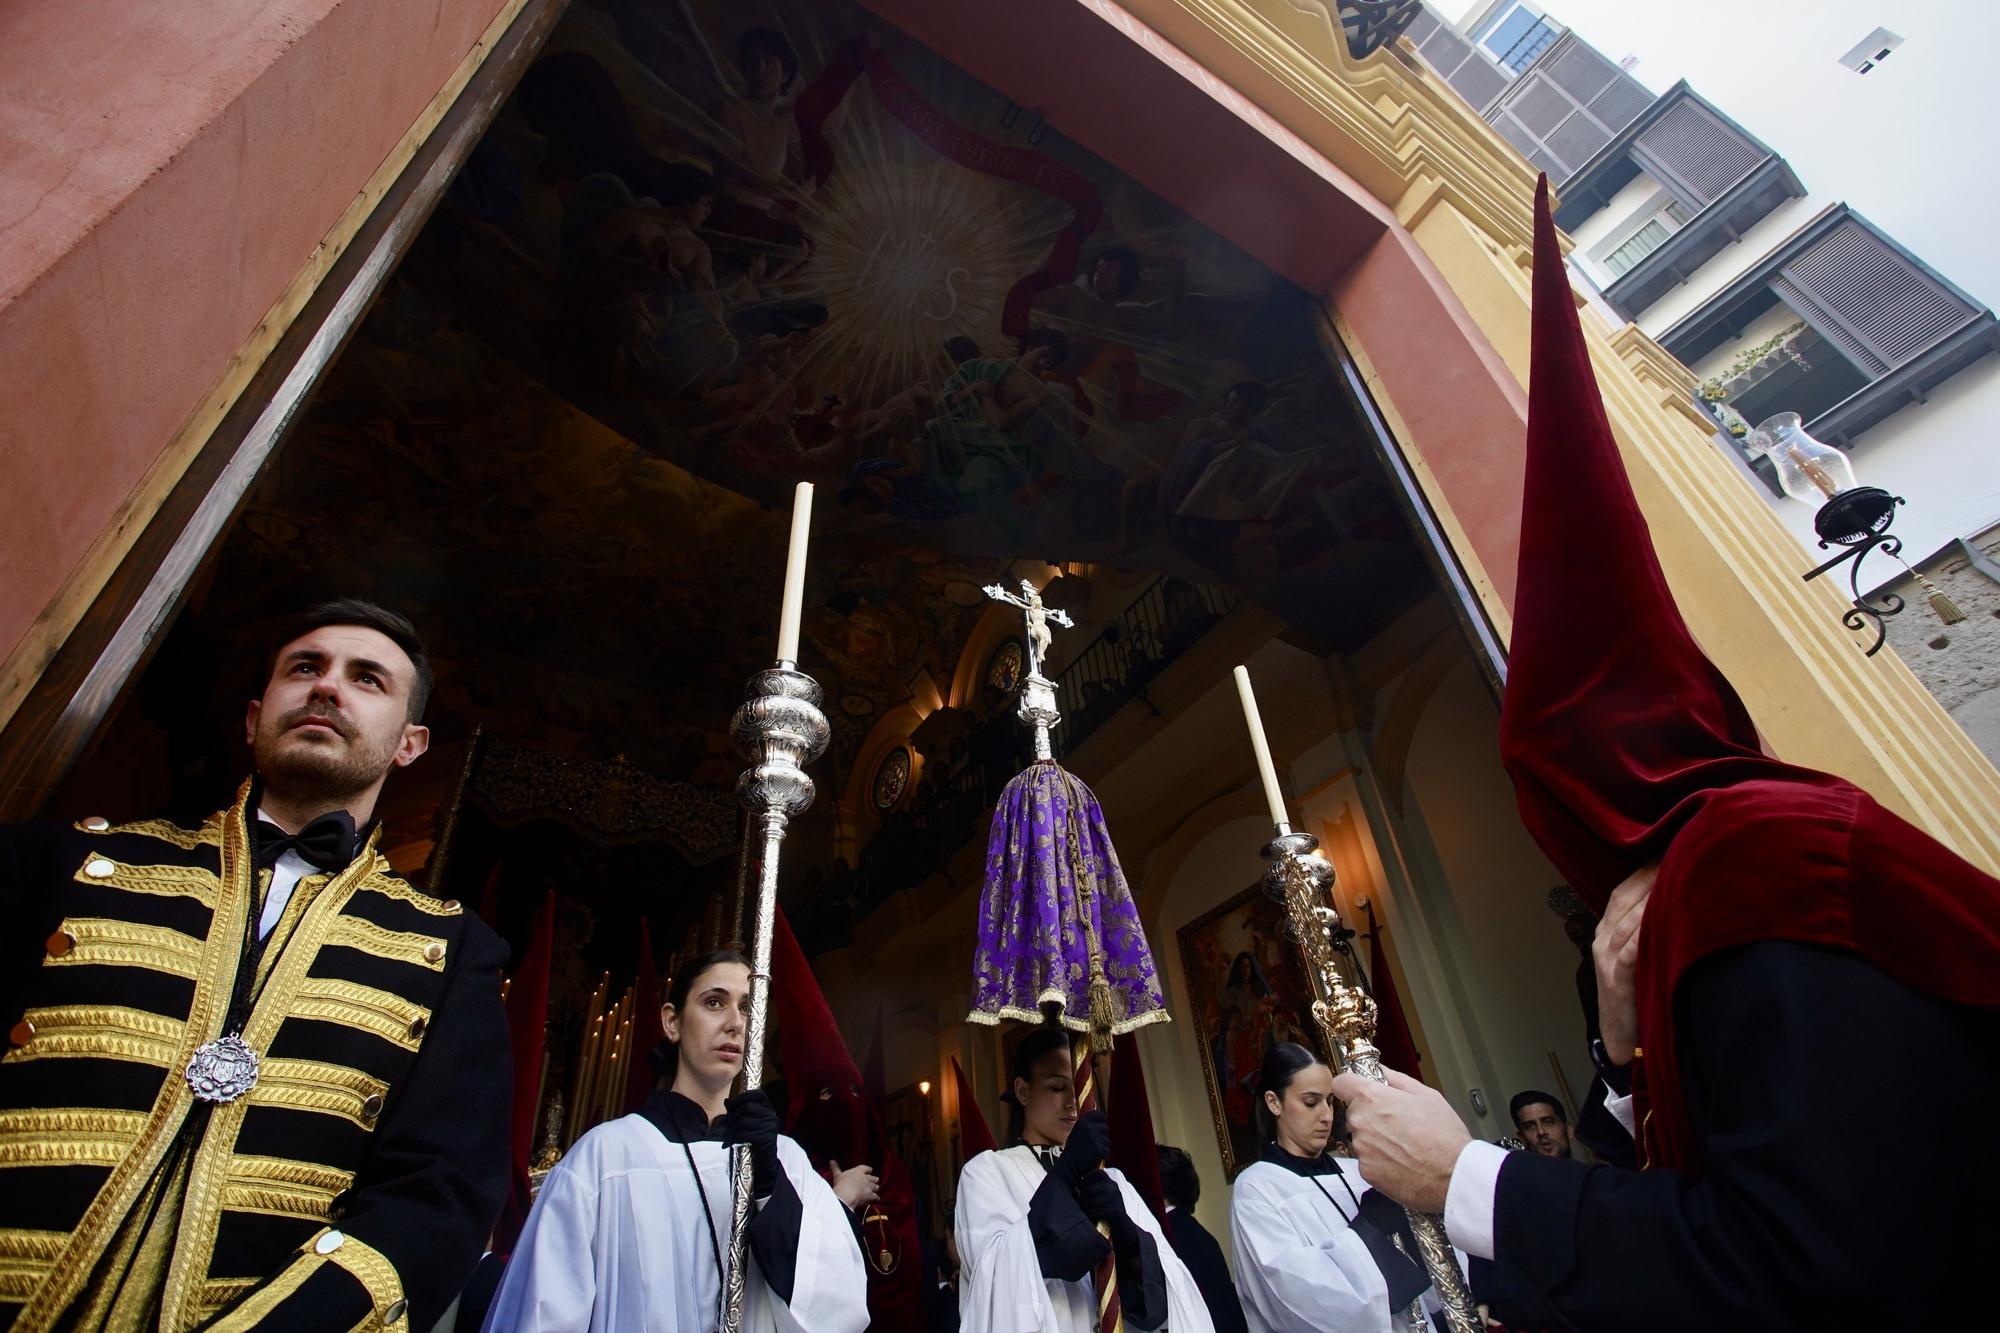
1807 469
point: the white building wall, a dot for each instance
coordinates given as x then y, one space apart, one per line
1939 455
1893 145
1903 144
1616 216
1730 264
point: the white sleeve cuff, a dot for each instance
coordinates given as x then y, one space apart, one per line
1468 1204
1622 1108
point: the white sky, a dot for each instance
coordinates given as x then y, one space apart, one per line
1914 145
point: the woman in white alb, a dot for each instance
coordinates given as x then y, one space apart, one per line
1028 1219
1317 1251
630 1233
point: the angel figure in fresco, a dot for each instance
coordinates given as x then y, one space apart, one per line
695 336
1204 440
885 442
1104 325
754 414
975 442
758 157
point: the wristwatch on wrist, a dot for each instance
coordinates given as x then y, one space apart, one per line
1617 1077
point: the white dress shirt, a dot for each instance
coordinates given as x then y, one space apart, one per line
286 872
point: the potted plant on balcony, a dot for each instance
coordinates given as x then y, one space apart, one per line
1752 365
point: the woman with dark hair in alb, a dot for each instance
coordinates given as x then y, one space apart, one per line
1317 1250
630 1233
1028 1217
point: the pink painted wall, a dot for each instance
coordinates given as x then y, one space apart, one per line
165 169
1465 411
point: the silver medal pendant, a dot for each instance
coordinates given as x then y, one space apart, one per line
222 1070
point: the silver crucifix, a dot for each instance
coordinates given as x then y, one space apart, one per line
1038 693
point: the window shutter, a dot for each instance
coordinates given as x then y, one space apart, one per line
1540 105
1567 107
1582 72
1577 140
1621 101
1692 148
1878 300
1455 60
1442 48
1478 82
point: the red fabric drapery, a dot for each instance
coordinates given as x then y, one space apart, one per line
647 1031
1134 1150
1392 1029
527 1020
832 1117
975 1136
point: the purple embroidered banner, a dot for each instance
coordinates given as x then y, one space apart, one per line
1049 834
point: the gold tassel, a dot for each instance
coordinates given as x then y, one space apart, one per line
1947 610
1102 1013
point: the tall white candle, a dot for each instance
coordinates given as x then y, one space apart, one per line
1266 770
795 574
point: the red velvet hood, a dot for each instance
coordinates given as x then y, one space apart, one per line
1626 745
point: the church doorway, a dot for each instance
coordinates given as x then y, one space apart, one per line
708 250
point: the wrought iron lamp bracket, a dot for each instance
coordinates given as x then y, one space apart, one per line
1859 520
1371 24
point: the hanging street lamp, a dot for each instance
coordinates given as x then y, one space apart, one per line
1850 515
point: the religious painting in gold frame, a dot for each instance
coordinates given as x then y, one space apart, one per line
1245 995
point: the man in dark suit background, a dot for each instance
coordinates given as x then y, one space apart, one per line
1193 1243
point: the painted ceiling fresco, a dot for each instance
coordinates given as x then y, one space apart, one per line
709 249
782 242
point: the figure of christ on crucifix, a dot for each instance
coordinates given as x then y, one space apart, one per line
1040 637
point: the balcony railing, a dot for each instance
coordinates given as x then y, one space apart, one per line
951 804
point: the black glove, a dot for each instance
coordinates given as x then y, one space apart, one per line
748 1118
1100 1198
1089 1144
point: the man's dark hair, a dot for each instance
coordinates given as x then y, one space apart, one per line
1054 339
1128 264
1252 393
683 183
1179 1181
1529 1098
767 42
397 629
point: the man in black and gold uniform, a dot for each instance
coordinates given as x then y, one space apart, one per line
253 1078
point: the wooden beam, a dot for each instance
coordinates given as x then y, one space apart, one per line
60 713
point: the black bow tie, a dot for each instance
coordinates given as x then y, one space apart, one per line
327 842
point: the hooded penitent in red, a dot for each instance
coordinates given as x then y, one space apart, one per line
975 1136
833 1119
1627 746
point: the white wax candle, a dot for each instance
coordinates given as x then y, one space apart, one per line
1266 770
795 574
